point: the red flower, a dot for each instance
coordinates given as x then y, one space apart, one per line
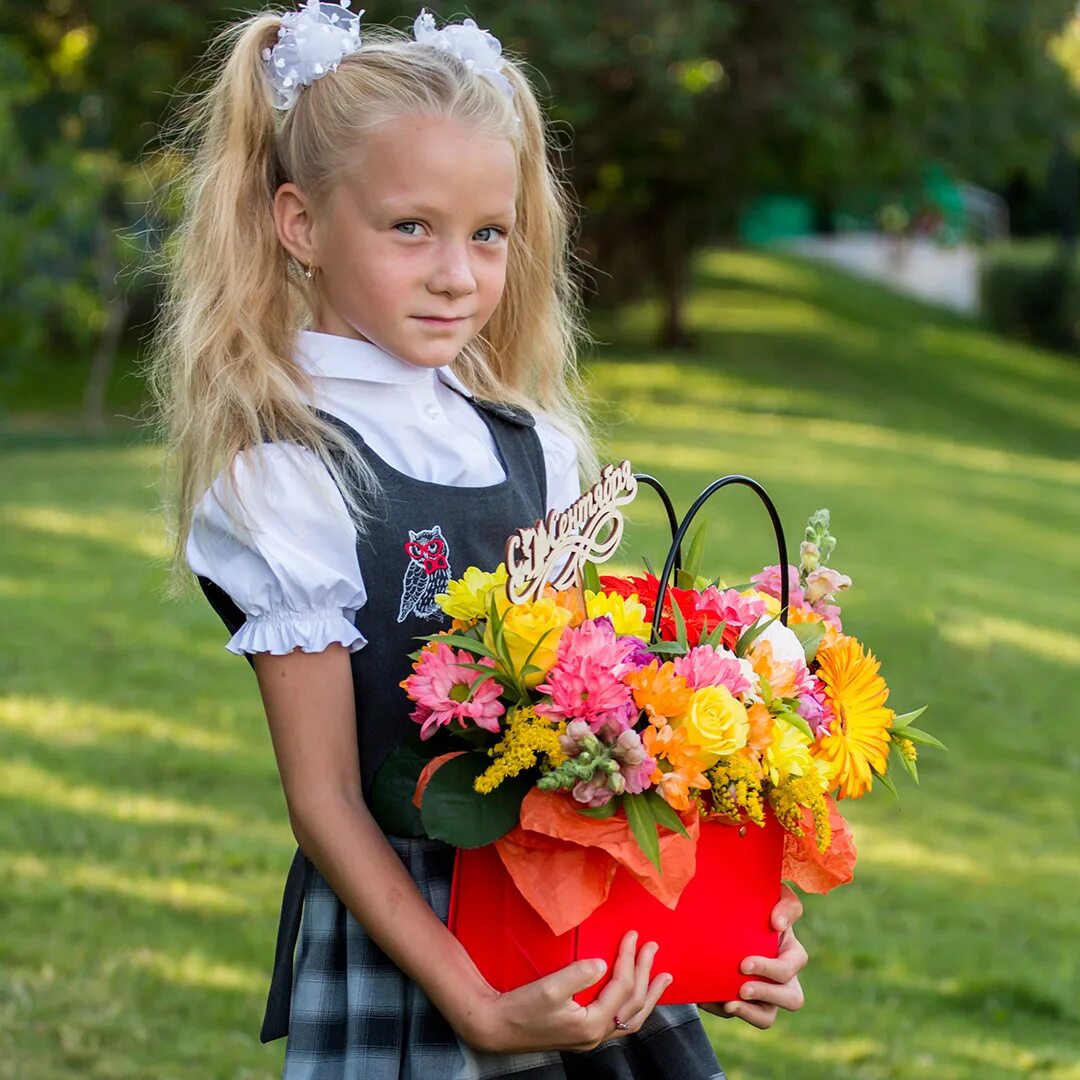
699 619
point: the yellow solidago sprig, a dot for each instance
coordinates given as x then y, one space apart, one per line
467 598
526 738
736 788
794 795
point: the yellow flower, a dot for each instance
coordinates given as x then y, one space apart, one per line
526 736
523 626
736 788
468 597
716 720
627 613
788 801
788 754
860 733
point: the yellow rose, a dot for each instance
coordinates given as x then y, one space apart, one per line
523 626
627 613
468 597
717 722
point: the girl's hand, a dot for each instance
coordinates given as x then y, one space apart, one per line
542 1015
761 1000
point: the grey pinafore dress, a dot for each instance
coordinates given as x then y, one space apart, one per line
348 1012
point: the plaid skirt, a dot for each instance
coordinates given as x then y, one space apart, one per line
353 1015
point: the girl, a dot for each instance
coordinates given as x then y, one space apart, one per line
365 362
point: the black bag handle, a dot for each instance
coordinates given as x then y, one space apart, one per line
674 558
673 524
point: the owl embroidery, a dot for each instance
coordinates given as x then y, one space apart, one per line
427 573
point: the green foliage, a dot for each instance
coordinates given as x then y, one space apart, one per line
452 810
1031 290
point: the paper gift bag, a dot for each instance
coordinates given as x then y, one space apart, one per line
722 917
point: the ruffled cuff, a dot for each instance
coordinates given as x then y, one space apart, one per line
281 632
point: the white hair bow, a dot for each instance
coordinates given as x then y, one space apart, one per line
479 50
311 42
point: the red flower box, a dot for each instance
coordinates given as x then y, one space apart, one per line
722 916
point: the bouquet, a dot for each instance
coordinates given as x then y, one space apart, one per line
585 730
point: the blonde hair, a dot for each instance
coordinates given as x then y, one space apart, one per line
221 364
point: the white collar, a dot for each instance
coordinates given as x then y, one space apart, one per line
334 357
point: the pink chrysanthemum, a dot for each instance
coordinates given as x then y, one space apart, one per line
815 709
586 682
706 666
443 690
737 611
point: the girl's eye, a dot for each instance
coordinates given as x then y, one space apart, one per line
494 233
410 225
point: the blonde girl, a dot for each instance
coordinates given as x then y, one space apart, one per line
365 366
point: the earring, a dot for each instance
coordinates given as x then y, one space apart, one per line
309 273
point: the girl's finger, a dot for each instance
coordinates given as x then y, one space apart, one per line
787 995
621 984
759 1016
656 988
783 968
788 909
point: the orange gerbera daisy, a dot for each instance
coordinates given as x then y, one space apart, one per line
860 732
665 743
660 691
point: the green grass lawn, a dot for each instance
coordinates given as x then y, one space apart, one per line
143 836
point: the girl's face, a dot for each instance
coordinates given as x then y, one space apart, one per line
411 247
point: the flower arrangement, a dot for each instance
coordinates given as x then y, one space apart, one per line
570 702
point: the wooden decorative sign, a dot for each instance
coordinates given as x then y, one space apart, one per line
574 535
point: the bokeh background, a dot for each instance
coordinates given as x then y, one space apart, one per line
834 247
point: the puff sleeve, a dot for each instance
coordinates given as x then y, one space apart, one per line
286 556
561 461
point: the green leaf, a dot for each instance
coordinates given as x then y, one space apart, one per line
741 588
643 825
668 648
887 781
692 566
680 622
715 635
457 814
461 642
663 813
916 735
902 720
392 790
648 565
751 634
909 766
609 809
796 721
590 577
810 635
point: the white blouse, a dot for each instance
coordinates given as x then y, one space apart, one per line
292 566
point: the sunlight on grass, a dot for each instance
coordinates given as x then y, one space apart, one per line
32 784
196 970
979 630
73 723
138 533
885 848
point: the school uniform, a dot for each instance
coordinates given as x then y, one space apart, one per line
457 476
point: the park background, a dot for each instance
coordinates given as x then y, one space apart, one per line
724 155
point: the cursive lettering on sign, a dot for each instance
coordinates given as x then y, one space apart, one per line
534 551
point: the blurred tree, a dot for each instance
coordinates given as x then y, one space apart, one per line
678 110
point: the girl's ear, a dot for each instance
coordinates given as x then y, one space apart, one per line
295 224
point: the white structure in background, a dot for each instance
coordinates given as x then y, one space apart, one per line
919 265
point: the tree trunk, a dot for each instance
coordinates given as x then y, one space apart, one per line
104 358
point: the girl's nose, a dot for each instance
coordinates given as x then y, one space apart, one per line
452 273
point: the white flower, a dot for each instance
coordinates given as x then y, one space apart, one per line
479 50
786 647
312 41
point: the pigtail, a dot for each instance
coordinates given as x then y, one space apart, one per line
221 364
